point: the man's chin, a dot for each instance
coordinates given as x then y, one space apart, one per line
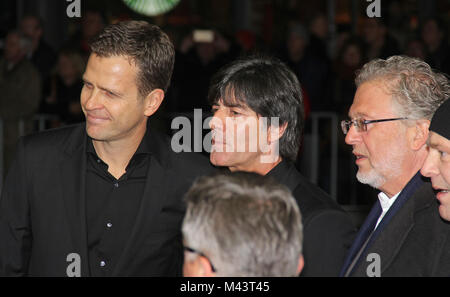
219 159
370 178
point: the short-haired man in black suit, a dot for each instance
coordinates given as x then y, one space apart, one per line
103 198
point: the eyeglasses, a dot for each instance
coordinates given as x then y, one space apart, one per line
361 124
191 250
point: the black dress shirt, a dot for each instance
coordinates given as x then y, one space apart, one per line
112 206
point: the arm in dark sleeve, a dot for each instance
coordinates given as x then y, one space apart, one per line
327 237
15 225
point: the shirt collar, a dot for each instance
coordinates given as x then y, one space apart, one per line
143 148
385 201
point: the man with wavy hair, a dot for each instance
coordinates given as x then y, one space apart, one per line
403 234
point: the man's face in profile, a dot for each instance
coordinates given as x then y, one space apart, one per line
110 99
380 151
238 137
437 167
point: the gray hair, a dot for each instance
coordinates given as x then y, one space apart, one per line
416 89
246 224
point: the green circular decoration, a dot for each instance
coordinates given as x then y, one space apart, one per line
151 7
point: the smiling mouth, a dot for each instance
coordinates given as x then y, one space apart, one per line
92 118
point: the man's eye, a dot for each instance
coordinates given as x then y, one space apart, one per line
443 154
110 94
87 85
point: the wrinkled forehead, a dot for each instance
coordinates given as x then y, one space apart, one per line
230 98
439 142
372 101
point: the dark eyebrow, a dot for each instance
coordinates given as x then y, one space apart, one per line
115 93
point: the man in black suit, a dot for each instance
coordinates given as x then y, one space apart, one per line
403 234
102 198
257 127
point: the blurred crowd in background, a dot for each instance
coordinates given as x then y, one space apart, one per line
38 79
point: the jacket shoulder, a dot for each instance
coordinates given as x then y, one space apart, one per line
54 138
315 202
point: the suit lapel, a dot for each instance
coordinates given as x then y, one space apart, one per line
73 176
393 230
363 234
150 206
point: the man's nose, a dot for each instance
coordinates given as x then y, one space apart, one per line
93 100
352 136
430 167
217 121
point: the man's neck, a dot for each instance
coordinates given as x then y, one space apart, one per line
117 154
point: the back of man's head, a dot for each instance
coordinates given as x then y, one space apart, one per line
270 89
244 224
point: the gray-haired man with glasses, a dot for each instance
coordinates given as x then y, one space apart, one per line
388 129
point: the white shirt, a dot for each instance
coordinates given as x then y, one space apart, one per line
386 203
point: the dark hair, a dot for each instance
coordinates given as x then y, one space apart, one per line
149 48
270 89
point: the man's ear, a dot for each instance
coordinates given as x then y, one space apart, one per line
301 264
419 134
275 133
153 101
205 267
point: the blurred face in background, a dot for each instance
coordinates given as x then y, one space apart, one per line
431 34
30 28
66 68
91 24
319 27
352 56
373 31
13 49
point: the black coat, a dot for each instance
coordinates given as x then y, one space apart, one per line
411 240
43 215
328 231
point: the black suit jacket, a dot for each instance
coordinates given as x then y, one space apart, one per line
43 208
328 231
411 240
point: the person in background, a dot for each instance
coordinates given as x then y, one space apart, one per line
416 49
434 37
437 164
378 42
66 85
20 89
311 70
241 224
41 54
388 130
